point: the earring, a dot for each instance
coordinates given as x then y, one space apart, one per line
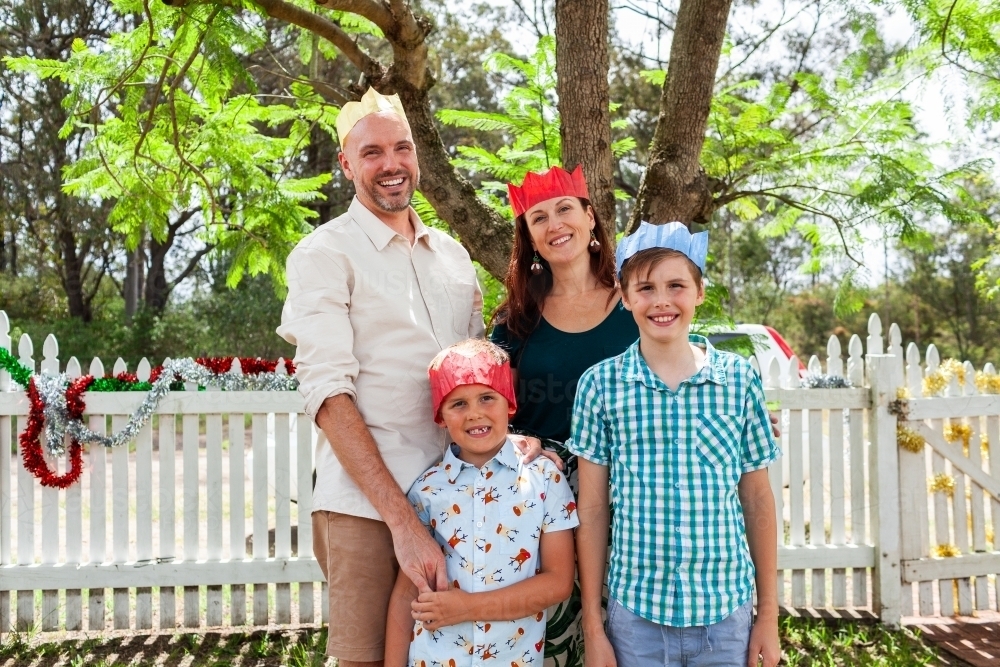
536 264
594 246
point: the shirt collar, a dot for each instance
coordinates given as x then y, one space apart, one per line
379 232
453 465
635 369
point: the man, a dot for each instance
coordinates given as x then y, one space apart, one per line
373 296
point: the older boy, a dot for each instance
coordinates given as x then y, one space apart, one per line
503 524
681 432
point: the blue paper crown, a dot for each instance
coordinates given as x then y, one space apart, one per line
673 235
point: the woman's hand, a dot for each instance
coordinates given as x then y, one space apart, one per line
775 420
531 448
438 610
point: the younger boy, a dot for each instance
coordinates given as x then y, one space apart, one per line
680 431
503 526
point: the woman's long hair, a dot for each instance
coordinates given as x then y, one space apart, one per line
521 311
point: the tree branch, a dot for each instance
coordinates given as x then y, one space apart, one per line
373 10
192 265
331 32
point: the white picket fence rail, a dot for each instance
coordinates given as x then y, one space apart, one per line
176 509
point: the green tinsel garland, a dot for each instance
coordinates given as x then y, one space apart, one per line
114 384
18 373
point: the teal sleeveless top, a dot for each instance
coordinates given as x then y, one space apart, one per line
549 362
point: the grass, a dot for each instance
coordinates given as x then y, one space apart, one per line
263 648
813 642
826 643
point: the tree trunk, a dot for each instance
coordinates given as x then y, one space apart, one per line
674 186
72 274
135 263
582 64
157 290
487 236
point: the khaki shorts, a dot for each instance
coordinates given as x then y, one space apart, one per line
360 567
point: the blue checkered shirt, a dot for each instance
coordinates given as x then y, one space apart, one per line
679 554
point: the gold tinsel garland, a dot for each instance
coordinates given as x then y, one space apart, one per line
946 551
955 432
942 483
936 381
909 440
987 383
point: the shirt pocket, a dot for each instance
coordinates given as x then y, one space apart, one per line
718 442
460 297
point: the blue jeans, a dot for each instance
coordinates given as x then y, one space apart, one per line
641 643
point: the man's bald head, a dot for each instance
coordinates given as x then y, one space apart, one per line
379 156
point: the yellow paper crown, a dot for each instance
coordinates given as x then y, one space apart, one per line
372 102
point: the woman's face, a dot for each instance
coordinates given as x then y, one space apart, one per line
560 229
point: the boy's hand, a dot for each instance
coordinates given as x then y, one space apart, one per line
531 448
764 647
598 651
438 610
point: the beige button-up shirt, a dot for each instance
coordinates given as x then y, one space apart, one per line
367 312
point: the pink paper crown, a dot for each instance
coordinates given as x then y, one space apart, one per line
556 182
457 367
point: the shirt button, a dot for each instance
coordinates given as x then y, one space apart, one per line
677 530
479 525
677 485
677 442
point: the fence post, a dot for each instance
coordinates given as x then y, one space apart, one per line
884 470
5 481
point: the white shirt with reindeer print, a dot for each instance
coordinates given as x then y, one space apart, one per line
489 522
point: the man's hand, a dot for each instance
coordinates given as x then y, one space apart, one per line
438 610
764 647
531 448
420 557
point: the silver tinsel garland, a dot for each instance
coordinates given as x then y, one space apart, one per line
52 391
823 381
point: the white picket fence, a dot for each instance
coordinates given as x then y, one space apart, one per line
175 509
821 483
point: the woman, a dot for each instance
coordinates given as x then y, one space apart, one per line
563 312
562 315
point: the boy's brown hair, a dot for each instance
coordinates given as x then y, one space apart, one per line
643 262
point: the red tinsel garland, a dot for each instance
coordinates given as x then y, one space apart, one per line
249 366
31 447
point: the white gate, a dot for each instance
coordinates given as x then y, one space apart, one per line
949 484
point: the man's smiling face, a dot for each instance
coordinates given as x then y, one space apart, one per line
381 159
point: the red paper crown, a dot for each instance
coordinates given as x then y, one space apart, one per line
456 368
556 182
